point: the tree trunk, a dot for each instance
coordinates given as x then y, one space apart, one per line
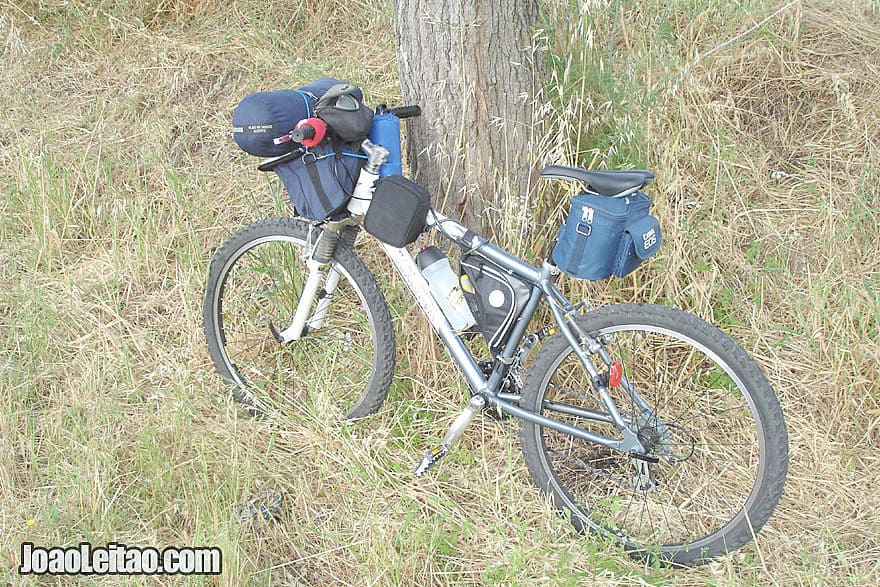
471 67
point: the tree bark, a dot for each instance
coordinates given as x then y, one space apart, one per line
470 65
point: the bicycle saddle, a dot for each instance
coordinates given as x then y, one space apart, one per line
614 184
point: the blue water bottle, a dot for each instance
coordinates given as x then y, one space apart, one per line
386 132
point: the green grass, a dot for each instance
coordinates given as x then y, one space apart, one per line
119 180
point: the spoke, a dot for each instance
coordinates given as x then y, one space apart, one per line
629 503
684 523
665 518
590 469
699 425
264 284
644 501
573 393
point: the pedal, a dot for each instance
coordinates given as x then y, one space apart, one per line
431 458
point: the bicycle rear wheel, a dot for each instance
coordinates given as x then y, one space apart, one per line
709 419
342 369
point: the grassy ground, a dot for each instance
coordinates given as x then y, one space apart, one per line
118 179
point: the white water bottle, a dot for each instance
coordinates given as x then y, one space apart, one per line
445 288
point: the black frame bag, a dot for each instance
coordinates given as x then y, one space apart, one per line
321 181
497 299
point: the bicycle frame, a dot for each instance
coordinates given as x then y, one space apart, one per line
541 280
485 389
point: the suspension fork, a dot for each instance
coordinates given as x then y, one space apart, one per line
333 276
319 262
344 230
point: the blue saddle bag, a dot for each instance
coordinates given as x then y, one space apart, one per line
604 236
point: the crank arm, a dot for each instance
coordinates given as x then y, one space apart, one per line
433 456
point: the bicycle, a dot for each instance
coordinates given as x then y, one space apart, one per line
643 423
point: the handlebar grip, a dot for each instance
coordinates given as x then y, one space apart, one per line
406 111
303 133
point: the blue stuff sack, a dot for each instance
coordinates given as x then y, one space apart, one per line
262 117
604 236
321 181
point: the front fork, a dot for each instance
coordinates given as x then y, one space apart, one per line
321 254
330 284
319 261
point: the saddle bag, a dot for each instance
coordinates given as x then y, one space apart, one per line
262 117
496 298
604 236
321 181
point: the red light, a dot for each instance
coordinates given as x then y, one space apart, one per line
615 374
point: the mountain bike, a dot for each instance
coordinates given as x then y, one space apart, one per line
643 423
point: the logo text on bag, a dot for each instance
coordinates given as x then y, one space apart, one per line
254 129
650 239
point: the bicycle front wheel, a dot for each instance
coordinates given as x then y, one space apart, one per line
703 409
341 367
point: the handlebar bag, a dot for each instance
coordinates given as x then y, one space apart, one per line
496 298
321 181
262 117
604 236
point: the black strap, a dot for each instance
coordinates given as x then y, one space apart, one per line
337 159
312 170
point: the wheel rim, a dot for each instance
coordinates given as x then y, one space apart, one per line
327 370
707 438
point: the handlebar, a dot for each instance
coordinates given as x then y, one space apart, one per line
303 133
406 111
309 133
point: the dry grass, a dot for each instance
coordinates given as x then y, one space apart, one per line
119 179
